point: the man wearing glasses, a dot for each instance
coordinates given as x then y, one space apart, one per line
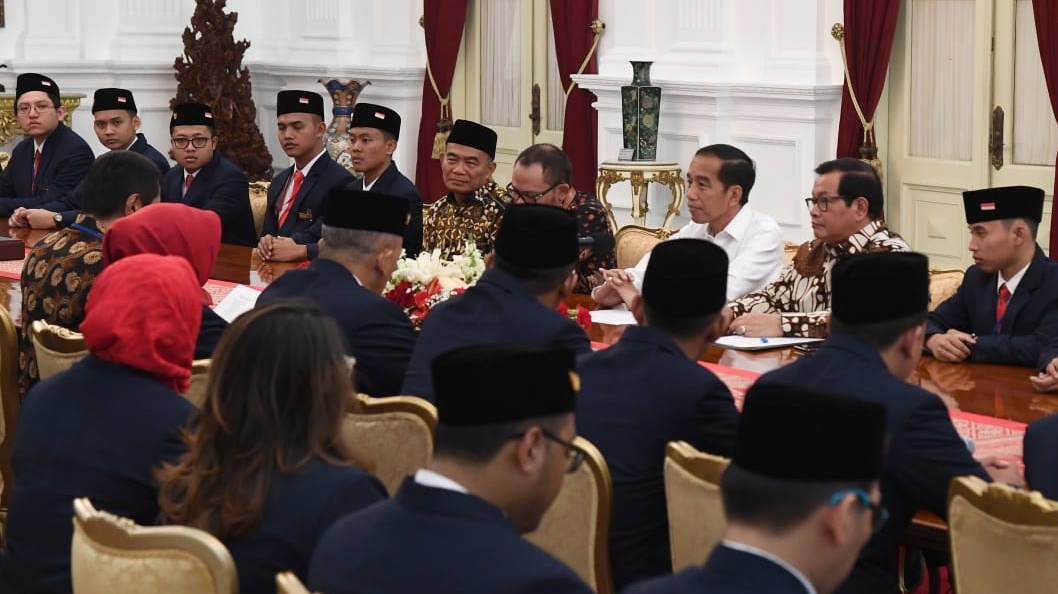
876 338
205 179
502 446
542 175
800 495
52 160
848 217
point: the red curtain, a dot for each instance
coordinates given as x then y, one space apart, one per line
1046 14
443 24
573 40
869 30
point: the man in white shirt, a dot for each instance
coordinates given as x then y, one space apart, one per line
719 180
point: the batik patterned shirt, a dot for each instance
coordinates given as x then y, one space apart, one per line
447 224
801 294
591 220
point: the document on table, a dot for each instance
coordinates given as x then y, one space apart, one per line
749 343
239 301
618 316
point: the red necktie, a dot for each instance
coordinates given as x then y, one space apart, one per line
289 202
36 166
1001 306
187 184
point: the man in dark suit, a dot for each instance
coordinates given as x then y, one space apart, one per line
116 127
204 178
501 447
358 253
800 495
648 389
374 132
1041 456
515 301
297 195
875 343
52 160
1006 310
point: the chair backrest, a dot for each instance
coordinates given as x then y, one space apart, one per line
633 242
393 436
199 378
789 250
1002 539
112 555
576 528
259 203
692 494
9 399
288 583
57 348
942 285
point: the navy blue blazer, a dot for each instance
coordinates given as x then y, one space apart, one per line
304 224
394 183
380 335
209 333
98 430
1041 456
64 163
924 453
726 571
301 507
1030 322
144 148
219 186
635 397
434 540
498 309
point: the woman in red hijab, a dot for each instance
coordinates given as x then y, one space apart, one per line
100 429
174 229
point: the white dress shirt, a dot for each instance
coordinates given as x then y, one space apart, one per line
1012 284
429 478
753 243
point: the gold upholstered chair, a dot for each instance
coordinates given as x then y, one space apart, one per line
942 285
634 241
4 158
393 436
259 203
692 494
1002 539
112 555
199 378
9 404
576 528
789 250
288 583
57 348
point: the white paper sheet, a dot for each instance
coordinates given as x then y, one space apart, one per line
239 301
748 343
618 316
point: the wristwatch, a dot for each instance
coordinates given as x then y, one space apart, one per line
58 220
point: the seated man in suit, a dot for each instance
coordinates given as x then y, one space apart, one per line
206 179
719 180
652 376
875 343
361 242
472 208
117 128
52 160
1006 310
501 447
848 217
1041 456
514 301
373 132
800 495
542 175
296 197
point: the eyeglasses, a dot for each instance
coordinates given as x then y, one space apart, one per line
823 202
575 453
197 142
517 194
878 513
26 108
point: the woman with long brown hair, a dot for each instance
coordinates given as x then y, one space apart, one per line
265 470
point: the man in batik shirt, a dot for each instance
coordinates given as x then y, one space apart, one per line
847 212
542 175
474 204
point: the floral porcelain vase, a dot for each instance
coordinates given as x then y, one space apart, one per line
640 109
343 95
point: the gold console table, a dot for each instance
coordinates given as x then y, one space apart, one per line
9 128
640 174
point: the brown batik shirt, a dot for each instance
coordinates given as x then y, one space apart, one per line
447 224
56 278
591 220
801 294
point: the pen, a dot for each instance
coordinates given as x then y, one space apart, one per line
764 340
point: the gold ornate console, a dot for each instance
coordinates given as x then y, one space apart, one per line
639 174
